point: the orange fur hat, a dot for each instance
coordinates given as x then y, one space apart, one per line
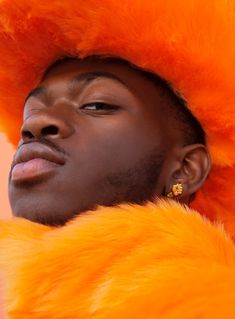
188 43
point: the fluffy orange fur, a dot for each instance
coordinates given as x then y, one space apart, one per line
154 261
189 43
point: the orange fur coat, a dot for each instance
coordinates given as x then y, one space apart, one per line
155 261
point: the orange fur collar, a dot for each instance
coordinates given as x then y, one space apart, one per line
154 261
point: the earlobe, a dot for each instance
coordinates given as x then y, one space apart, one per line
191 171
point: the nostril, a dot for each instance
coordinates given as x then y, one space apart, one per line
50 130
27 135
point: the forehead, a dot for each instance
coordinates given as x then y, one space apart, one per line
62 72
73 65
67 69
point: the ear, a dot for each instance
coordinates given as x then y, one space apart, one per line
191 168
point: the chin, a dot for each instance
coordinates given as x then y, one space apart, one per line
43 215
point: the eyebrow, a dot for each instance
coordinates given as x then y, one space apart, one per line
35 92
85 78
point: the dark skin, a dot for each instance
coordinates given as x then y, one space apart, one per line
117 136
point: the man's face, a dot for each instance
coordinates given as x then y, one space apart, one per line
94 133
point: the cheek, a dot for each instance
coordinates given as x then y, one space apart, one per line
113 148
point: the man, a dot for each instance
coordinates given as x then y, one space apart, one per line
114 145
93 134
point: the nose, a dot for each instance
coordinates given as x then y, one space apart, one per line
45 125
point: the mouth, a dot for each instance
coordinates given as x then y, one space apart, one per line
35 162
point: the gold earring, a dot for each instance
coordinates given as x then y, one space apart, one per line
176 190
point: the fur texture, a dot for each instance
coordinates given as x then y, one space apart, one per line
153 261
189 43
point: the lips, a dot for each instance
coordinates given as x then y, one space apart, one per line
35 161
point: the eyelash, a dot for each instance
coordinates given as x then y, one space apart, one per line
100 107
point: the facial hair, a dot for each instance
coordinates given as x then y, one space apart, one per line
135 185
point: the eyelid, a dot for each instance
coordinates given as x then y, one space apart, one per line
105 108
105 104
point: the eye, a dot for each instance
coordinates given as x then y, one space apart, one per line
99 108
